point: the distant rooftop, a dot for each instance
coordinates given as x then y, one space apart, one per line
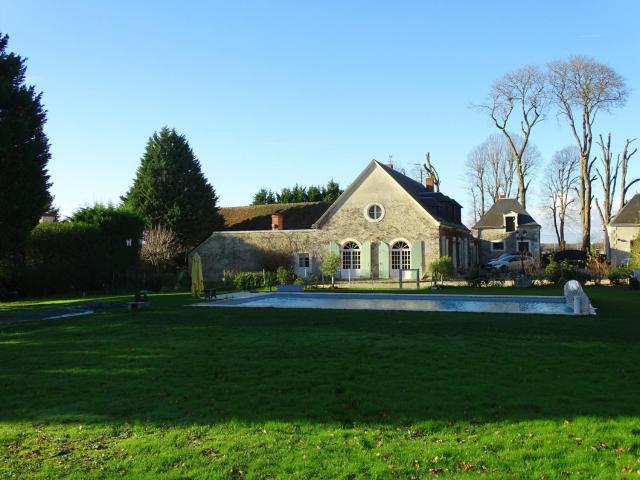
296 216
630 213
436 203
494 218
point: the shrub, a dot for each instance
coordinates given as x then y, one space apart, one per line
285 275
598 268
559 273
476 277
269 279
441 269
619 275
248 280
299 281
313 280
122 230
64 257
553 271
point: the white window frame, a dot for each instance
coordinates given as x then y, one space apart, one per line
515 221
528 242
494 243
374 220
400 257
351 258
304 256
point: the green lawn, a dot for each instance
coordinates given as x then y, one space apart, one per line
180 392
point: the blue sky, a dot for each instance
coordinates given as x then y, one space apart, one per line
277 93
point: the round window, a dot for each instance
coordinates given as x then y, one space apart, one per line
375 212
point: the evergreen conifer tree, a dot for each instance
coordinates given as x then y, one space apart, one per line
24 154
171 190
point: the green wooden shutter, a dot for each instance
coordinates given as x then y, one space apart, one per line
365 260
383 260
416 255
335 249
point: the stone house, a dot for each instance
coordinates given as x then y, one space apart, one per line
506 228
623 230
383 224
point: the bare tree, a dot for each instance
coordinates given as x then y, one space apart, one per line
559 187
432 172
491 168
500 166
476 175
475 204
159 246
608 180
623 159
581 88
521 96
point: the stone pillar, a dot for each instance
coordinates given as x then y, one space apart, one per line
454 253
465 253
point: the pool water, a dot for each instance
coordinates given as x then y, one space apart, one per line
406 302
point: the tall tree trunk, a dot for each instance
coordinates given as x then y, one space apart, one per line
522 190
605 236
554 211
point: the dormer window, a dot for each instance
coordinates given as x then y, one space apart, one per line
510 223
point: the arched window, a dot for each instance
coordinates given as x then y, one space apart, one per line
350 256
400 256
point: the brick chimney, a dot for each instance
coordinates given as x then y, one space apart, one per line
428 183
277 221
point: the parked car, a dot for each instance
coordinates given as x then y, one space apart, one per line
503 256
513 263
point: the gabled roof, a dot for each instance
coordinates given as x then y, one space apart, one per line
297 216
431 202
629 214
494 218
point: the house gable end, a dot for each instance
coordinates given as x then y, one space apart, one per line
374 186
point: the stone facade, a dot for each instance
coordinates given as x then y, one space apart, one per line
506 228
620 239
402 221
623 230
489 238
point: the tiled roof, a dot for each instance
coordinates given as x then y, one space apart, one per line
494 218
297 216
436 203
630 213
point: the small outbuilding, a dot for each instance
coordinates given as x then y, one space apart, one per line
506 228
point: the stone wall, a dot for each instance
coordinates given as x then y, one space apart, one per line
253 251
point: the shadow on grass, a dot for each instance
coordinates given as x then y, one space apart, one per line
178 365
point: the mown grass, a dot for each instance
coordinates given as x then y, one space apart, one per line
180 392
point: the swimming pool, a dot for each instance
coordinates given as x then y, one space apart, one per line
404 302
